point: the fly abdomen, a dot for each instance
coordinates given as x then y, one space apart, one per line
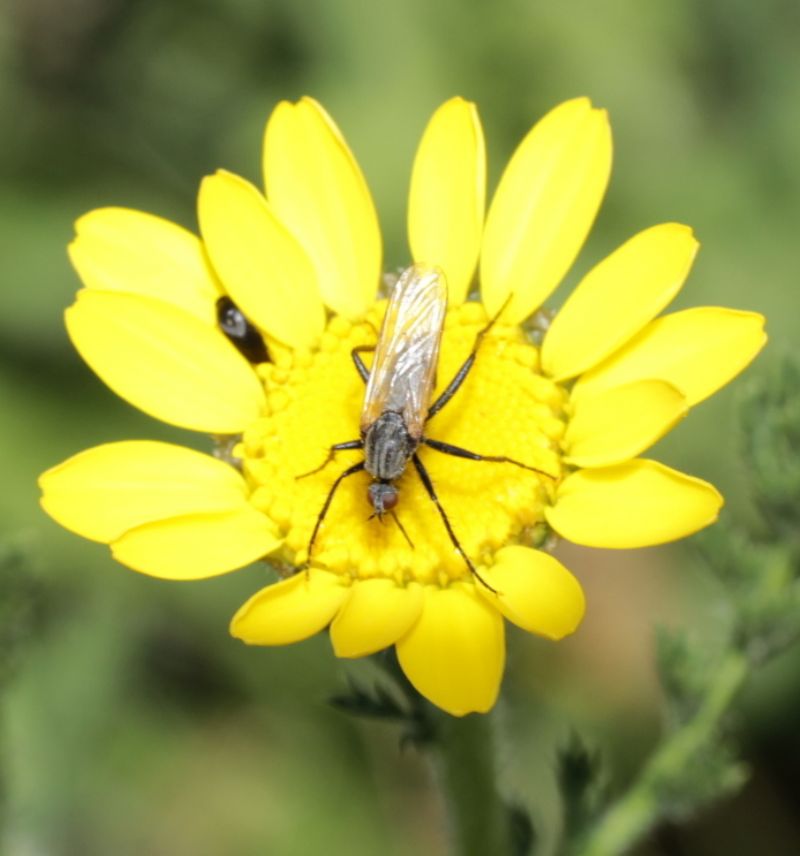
388 446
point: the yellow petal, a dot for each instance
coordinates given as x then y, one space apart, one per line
448 194
377 613
291 610
198 545
454 655
636 504
119 249
617 424
265 270
544 207
617 298
165 361
104 491
316 187
535 591
697 350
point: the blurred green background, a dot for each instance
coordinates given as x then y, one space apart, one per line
131 722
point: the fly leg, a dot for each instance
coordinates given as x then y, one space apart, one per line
360 367
458 452
461 375
428 485
338 447
363 371
356 468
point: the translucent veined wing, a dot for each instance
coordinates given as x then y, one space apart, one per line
404 367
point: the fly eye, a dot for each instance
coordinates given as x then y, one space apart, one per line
233 323
389 499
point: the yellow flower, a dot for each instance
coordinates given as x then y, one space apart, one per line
303 264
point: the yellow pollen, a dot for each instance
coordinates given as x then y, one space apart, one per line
503 408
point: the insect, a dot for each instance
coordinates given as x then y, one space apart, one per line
397 403
244 336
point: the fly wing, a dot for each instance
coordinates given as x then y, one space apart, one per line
404 367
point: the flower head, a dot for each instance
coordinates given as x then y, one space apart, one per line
247 334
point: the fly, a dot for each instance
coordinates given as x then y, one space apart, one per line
397 403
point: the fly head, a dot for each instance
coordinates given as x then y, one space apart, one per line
383 497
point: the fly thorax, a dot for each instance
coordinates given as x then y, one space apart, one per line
388 446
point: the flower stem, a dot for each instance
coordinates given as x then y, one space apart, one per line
464 760
635 813
463 754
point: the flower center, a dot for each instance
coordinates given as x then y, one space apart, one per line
503 408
